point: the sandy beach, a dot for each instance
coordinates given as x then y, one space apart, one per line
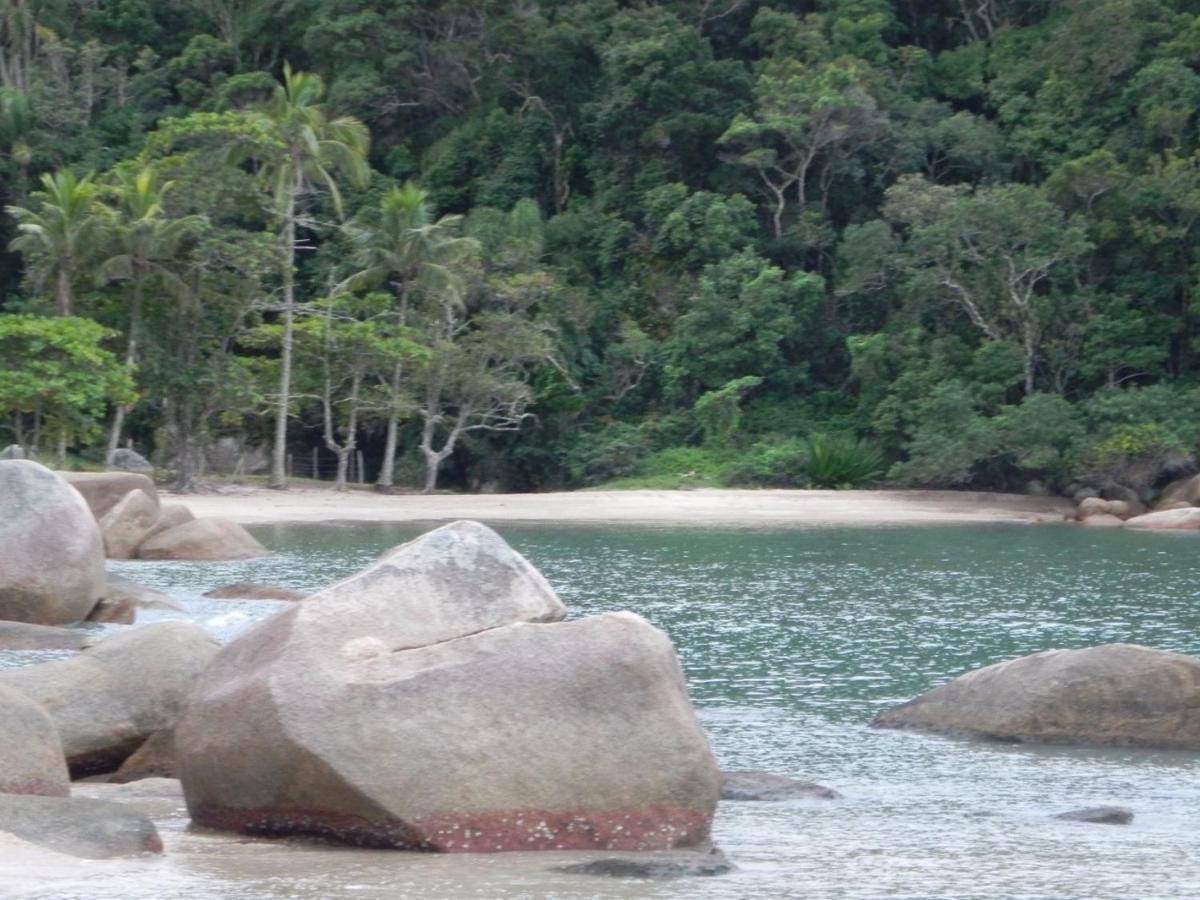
739 508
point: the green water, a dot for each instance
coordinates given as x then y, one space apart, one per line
791 642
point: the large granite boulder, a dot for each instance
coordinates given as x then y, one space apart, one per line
26 636
51 552
1185 490
111 697
104 490
13 451
128 523
203 539
31 755
434 701
1185 519
91 829
125 460
170 515
1119 695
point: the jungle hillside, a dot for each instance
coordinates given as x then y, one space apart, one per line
519 245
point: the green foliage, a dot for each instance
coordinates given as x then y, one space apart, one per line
841 461
719 412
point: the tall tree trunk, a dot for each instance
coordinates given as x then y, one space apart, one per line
386 482
135 319
279 449
62 293
62 450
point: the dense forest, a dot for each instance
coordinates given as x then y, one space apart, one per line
521 245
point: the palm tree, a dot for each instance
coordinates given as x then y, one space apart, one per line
58 233
399 244
147 242
310 147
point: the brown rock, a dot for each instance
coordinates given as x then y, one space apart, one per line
31 755
107 700
1185 490
248 590
154 759
119 612
1099 815
128 523
104 490
434 702
1119 695
51 552
203 539
1092 506
1167 520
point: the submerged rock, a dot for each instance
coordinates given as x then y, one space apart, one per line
51 552
91 829
764 786
122 590
1113 695
1100 815
110 698
203 539
26 636
31 755
656 866
248 590
434 701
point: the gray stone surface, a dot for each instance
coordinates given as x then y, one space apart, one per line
13 451
1112 695
51 552
208 540
111 697
435 702
26 636
91 829
170 515
31 755
1186 519
656 866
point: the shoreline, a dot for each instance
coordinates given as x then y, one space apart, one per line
707 507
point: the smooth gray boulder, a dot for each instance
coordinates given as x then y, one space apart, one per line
51 552
1099 815
766 787
208 540
125 460
1119 695
13 451
91 829
129 523
104 490
435 702
111 697
120 612
31 755
137 595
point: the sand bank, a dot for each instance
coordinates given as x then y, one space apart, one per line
739 508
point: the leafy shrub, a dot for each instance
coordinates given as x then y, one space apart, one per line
613 452
1137 456
841 461
771 465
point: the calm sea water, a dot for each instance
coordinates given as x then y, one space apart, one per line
791 642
